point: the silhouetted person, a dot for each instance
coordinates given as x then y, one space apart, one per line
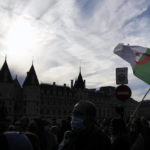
64 126
142 142
119 135
41 129
14 141
85 135
135 129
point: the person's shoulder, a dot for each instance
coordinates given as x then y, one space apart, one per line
97 134
100 139
3 142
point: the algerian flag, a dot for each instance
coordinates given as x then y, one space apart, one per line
139 59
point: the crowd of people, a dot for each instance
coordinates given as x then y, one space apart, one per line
81 131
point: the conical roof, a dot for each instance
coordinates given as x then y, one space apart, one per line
31 78
5 75
79 83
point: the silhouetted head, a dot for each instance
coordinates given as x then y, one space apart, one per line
83 114
15 140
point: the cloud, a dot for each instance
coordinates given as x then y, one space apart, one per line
70 33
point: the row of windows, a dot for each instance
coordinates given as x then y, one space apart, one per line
58 102
56 92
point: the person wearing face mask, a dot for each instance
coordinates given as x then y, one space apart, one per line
85 135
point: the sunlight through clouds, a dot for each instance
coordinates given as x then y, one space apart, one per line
20 38
58 35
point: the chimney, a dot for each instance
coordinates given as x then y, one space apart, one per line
54 83
64 85
71 83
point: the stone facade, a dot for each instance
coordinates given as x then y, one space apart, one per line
52 101
144 109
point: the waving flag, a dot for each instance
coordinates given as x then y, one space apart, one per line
139 59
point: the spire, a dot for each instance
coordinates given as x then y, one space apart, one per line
5 57
32 60
80 67
31 78
5 75
79 83
80 70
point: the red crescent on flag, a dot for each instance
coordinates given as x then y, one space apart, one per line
144 61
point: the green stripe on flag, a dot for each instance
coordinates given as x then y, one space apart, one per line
142 70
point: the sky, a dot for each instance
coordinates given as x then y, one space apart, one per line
59 36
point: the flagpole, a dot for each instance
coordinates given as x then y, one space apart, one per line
138 105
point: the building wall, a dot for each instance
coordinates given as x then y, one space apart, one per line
31 100
10 100
56 102
144 109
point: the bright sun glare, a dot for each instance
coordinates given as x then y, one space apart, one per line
21 38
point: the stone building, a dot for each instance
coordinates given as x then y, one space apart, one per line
144 109
31 94
52 101
10 94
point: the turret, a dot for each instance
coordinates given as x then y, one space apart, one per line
5 75
31 78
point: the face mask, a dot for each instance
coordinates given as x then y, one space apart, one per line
77 124
46 128
132 130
